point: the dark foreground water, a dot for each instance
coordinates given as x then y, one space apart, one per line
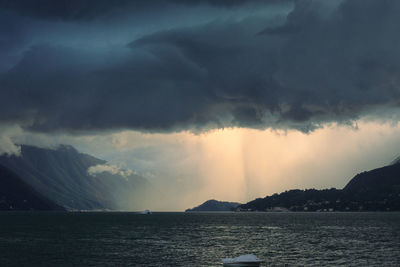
179 239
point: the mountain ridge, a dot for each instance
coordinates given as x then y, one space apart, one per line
15 194
374 190
61 174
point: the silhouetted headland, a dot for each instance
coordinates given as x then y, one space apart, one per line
375 190
215 205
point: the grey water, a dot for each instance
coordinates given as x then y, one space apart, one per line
198 239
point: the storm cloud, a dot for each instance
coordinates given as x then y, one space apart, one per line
170 66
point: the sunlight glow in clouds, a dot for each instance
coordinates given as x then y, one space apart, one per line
237 164
240 164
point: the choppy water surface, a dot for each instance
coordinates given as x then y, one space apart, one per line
179 239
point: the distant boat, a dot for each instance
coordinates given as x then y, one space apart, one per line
243 260
145 212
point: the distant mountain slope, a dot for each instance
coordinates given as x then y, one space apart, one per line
375 190
62 175
395 161
215 205
380 185
296 200
17 195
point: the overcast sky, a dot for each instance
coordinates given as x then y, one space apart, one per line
151 85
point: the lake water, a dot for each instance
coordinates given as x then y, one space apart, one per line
198 239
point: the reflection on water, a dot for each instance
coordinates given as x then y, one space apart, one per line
180 239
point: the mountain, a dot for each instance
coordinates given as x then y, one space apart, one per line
215 205
395 161
375 190
62 175
17 195
296 200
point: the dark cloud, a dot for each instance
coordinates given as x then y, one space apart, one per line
12 37
69 9
97 9
322 63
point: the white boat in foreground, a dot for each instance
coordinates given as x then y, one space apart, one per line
243 260
145 212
